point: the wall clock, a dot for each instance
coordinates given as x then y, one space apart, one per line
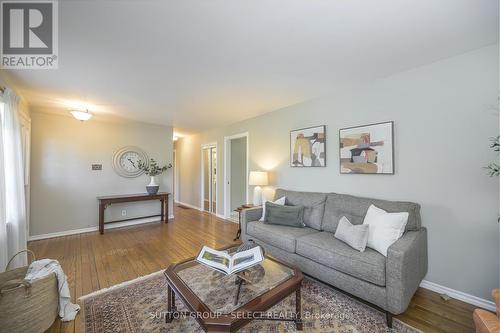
126 161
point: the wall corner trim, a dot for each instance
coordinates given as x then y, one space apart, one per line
224 218
459 295
188 205
220 216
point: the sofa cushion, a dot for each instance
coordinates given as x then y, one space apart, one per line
280 201
355 208
313 202
277 235
291 216
385 228
356 236
325 249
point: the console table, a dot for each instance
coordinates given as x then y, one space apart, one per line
105 201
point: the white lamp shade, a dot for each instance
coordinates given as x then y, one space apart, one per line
82 115
258 178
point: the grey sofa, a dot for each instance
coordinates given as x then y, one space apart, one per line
387 282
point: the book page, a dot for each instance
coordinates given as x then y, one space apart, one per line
216 259
245 259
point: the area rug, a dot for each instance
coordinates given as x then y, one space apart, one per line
139 306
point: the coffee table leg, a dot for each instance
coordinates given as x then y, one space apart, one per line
174 308
239 281
298 310
170 304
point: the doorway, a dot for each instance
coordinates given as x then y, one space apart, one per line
236 174
209 178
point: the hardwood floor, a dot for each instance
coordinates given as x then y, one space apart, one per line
93 261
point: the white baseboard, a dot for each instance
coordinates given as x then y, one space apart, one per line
456 294
188 205
96 228
63 233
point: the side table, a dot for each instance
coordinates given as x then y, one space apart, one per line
239 210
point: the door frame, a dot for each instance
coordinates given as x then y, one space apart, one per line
202 174
175 181
227 170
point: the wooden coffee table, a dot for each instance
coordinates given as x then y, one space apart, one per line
224 303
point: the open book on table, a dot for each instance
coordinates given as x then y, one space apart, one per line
230 263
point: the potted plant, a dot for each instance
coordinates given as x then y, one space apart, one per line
153 170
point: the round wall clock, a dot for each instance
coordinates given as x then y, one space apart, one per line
126 161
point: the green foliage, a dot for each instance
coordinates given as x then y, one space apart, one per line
494 168
153 169
495 143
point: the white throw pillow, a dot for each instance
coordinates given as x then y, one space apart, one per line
384 228
280 201
353 235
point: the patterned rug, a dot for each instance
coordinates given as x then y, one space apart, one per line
139 306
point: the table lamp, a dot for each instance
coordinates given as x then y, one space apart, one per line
257 179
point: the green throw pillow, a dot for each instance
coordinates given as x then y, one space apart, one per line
291 216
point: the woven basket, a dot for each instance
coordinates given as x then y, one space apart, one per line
27 307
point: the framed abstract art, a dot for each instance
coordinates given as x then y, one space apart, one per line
367 149
308 147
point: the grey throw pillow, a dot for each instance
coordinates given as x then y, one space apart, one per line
291 216
356 236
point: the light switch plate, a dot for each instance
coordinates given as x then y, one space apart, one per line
96 166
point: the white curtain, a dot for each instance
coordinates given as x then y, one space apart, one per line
4 257
12 195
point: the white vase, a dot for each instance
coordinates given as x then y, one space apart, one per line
152 188
153 181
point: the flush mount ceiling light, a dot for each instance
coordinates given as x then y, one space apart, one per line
81 115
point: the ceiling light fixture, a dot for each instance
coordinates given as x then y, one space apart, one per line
81 115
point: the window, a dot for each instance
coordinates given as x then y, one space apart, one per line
12 190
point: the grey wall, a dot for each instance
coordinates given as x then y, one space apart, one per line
444 115
63 186
238 172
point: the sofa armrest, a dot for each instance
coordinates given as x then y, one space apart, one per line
406 267
248 215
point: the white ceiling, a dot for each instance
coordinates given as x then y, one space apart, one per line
204 63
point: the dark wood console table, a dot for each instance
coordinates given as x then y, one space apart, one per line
105 201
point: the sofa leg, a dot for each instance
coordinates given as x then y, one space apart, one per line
388 319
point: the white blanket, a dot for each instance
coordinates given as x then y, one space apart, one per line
40 269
